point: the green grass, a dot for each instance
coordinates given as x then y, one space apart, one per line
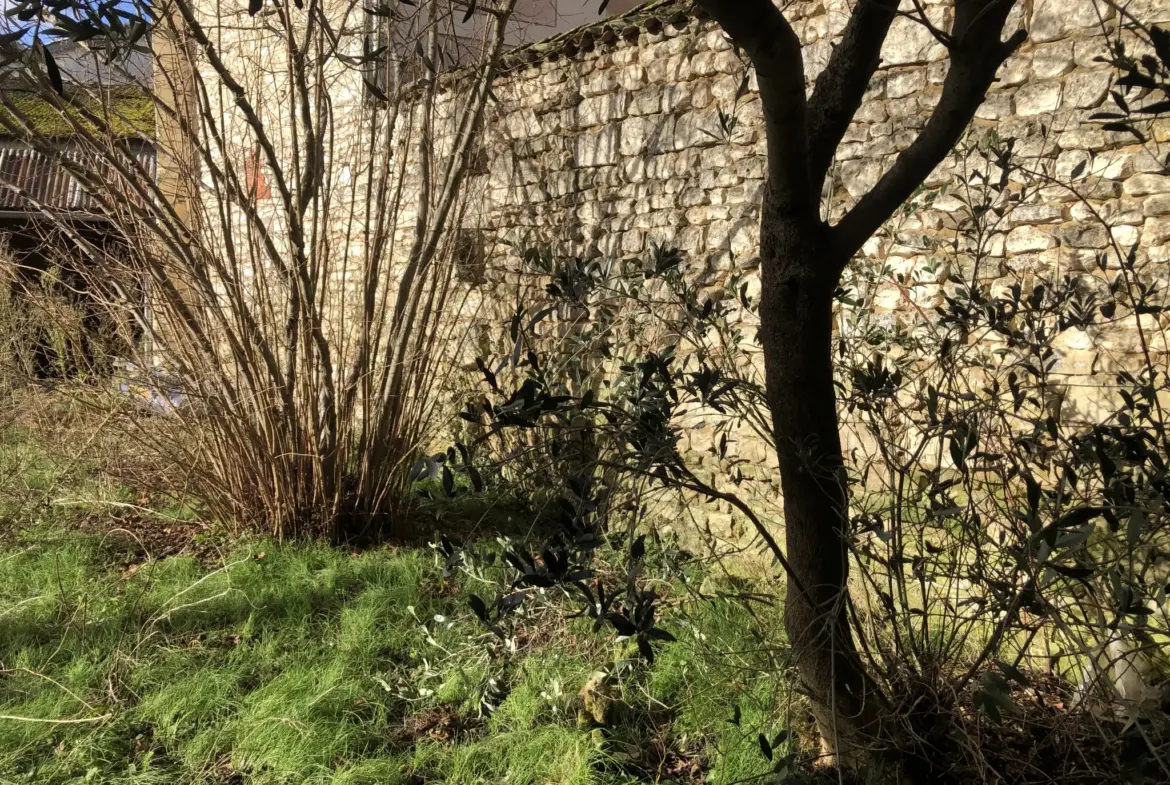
718 661
310 664
264 662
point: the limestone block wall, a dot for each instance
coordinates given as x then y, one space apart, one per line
613 138
647 129
657 137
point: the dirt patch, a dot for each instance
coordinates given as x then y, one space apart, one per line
441 723
134 536
642 745
224 773
1047 739
685 767
1037 734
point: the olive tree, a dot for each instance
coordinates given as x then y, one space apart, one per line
803 257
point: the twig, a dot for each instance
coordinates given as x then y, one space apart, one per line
79 720
64 502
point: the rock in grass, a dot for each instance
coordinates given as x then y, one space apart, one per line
594 700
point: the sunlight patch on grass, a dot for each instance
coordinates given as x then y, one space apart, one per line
543 755
724 684
295 663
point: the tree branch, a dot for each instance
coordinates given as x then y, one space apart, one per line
976 54
775 50
841 86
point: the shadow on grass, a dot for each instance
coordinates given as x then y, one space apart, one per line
305 663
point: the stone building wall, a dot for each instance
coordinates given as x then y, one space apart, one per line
650 138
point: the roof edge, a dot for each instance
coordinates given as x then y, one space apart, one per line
650 18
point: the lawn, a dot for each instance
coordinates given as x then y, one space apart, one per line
254 661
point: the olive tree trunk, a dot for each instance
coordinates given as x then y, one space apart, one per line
796 330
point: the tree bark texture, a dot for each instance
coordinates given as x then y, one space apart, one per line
796 323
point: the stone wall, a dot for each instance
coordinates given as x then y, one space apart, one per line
611 139
651 138
648 129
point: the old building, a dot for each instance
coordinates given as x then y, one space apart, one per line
45 212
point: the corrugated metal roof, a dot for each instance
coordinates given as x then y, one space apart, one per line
31 180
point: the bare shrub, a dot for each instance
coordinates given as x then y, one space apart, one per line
294 247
